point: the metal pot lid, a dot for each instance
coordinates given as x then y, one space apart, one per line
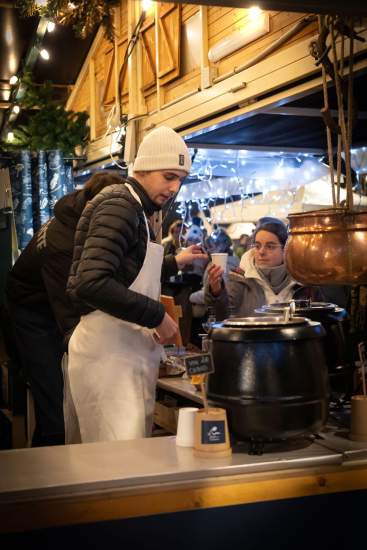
275 321
301 305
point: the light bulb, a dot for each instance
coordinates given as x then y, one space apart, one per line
16 109
44 54
10 136
146 5
51 26
13 80
254 12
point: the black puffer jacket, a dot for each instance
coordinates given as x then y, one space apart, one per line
37 281
110 246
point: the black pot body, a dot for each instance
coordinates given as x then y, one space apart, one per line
272 381
339 362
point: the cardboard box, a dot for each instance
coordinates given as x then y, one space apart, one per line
165 416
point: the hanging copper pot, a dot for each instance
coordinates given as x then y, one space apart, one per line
328 247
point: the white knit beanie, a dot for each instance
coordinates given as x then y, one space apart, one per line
162 149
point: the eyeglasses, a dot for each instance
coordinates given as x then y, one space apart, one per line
270 247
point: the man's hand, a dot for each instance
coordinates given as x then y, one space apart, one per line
167 330
189 254
215 279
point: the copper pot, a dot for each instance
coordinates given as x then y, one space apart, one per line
328 247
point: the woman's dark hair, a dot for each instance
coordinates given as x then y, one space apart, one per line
277 227
99 181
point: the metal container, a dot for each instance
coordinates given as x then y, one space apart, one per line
335 321
327 247
270 375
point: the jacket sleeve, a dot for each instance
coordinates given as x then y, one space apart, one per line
220 303
169 267
111 234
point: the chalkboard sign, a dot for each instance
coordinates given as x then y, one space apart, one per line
199 364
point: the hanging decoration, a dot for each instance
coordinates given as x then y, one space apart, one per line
84 16
339 232
48 125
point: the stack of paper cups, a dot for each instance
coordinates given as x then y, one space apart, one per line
186 427
358 431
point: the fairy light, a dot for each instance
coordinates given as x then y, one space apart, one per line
44 54
13 80
16 109
51 26
10 137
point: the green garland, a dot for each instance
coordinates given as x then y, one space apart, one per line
82 15
49 125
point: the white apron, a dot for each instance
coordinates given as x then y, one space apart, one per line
113 367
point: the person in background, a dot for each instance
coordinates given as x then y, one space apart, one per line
115 350
39 314
243 245
262 278
176 233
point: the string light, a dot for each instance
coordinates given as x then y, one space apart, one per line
51 26
13 80
10 137
16 109
44 54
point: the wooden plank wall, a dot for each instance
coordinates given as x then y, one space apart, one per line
98 84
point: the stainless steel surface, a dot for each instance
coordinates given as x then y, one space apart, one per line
277 320
95 467
279 307
339 441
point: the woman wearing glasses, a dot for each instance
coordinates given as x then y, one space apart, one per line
262 278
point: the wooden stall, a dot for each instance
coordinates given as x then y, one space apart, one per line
168 77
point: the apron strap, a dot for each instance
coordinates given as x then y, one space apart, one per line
137 198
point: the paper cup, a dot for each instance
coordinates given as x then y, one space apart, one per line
358 428
186 427
220 258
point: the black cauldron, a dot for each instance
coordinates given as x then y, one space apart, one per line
335 321
271 376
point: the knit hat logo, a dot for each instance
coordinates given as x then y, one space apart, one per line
162 149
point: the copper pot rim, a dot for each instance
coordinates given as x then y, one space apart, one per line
339 219
337 211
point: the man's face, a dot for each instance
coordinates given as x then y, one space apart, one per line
161 185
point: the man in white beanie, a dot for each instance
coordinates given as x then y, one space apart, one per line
114 352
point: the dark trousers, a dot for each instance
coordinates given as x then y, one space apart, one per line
39 349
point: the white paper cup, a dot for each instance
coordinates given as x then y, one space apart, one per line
220 258
186 427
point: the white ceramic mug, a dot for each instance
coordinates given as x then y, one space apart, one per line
186 427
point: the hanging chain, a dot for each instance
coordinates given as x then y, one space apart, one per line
337 28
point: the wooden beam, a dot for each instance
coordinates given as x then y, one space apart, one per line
305 111
243 146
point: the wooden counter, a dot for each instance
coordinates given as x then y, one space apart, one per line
103 487
149 493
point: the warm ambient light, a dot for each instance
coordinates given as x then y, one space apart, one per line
44 54
10 136
254 12
252 29
146 5
16 109
51 26
13 80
